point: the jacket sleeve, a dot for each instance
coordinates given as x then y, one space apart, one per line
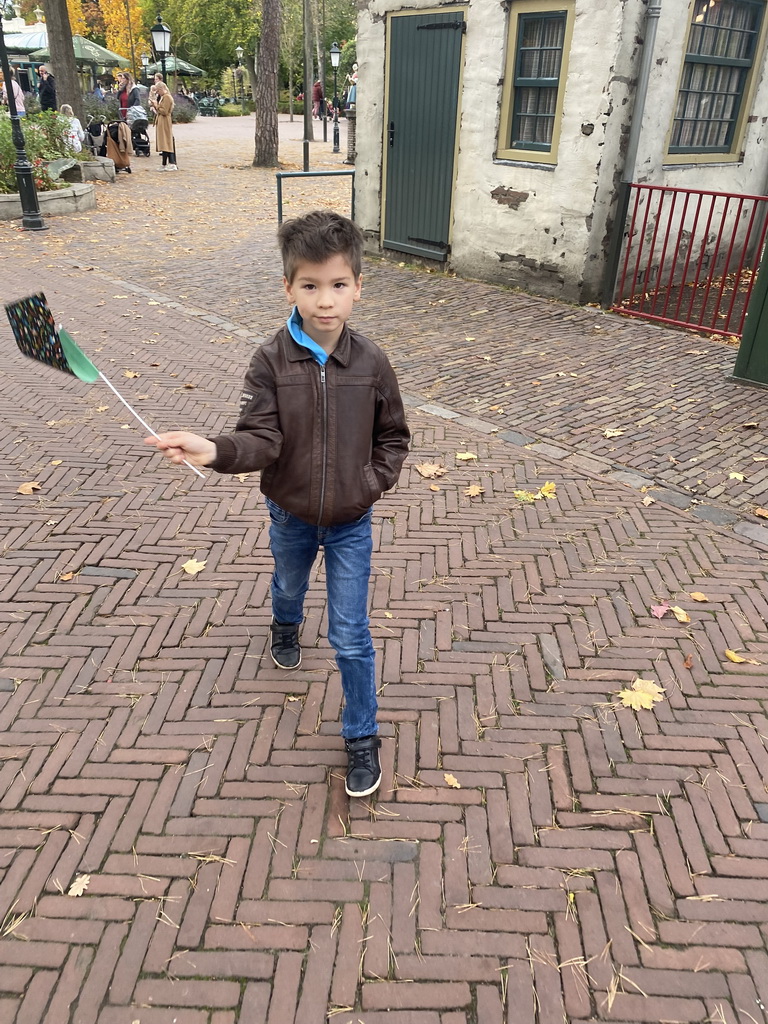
391 435
257 440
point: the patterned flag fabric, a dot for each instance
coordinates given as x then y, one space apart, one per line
35 331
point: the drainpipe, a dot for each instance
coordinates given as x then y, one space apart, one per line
628 173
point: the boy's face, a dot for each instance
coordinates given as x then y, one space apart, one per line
324 294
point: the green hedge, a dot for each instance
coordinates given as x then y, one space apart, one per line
44 140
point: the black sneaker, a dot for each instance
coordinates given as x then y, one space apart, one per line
364 771
284 644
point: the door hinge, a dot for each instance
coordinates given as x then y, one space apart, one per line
460 25
444 246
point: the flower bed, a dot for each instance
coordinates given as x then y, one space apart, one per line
44 140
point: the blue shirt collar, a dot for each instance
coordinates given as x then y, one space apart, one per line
296 330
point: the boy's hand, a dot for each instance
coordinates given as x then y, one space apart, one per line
178 445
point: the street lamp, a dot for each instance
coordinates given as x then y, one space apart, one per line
239 51
335 58
31 218
161 41
144 66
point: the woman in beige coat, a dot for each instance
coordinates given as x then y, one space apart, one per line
163 107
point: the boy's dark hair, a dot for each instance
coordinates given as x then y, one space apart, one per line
316 237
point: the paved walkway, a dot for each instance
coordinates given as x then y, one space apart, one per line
175 843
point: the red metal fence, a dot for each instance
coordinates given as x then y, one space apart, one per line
690 257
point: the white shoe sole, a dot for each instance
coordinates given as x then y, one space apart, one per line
364 792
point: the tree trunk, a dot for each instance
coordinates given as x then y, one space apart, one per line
265 92
63 56
290 90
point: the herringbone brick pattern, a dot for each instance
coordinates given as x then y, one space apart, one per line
537 852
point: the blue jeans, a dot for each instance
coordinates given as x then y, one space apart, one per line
348 547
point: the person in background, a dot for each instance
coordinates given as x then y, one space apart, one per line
75 135
317 98
163 107
153 88
46 91
98 92
127 93
18 95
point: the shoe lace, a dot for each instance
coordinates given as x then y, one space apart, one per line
361 757
284 639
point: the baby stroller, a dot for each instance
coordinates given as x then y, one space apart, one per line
138 124
96 136
119 145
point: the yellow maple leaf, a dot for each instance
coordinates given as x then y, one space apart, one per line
738 660
431 470
474 491
642 695
193 567
79 885
466 456
612 433
735 476
548 490
130 373
648 500
242 477
452 781
680 614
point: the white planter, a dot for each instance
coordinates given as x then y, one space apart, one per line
74 199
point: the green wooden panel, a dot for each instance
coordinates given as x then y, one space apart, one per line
752 360
420 135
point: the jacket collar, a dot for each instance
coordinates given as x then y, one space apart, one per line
341 354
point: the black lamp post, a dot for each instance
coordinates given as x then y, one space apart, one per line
161 41
239 51
31 218
144 66
335 58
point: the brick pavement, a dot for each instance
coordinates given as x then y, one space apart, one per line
537 852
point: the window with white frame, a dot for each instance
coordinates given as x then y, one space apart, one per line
719 58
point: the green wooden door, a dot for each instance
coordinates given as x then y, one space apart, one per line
420 131
752 360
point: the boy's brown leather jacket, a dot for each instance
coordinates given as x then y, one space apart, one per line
329 440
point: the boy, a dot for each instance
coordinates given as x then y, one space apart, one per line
321 417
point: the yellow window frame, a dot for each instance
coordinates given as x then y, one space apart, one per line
735 153
518 8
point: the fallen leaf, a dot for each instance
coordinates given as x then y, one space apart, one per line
762 512
642 695
760 458
452 781
388 615
612 433
189 387
474 491
698 596
648 500
431 470
66 576
738 660
193 567
57 462
242 477
102 408
525 496
466 456
130 373
79 885
125 426
750 426
680 614
29 488
547 490
660 610
735 476
434 487
688 663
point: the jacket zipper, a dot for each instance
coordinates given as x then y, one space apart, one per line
325 445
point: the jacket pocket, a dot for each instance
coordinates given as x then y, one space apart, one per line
372 482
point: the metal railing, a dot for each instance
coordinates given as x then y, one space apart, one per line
690 257
309 174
